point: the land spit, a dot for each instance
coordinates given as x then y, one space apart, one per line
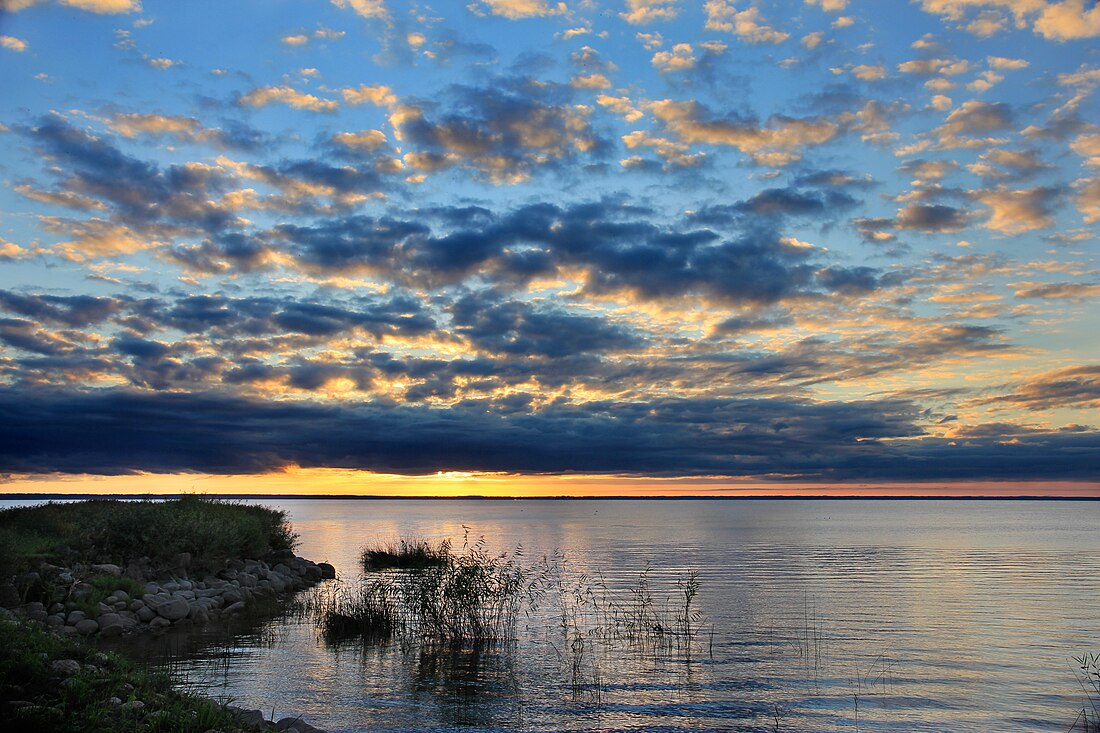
173 601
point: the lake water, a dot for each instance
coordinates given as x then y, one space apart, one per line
822 615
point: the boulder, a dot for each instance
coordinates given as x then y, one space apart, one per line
235 608
146 614
173 609
75 617
328 572
159 623
86 627
64 667
107 569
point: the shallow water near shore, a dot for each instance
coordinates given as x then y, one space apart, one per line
826 615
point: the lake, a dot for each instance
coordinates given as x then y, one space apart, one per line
818 615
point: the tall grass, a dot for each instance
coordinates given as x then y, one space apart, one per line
407 554
477 598
121 531
1088 676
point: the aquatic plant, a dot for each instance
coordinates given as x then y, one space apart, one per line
1088 676
407 554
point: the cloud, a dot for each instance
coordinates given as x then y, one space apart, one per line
778 142
641 12
680 58
931 219
517 9
13 44
829 6
1088 199
103 7
748 25
115 432
1060 20
1019 211
505 131
1076 387
378 95
263 96
369 9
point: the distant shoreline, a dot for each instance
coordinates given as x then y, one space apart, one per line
694 497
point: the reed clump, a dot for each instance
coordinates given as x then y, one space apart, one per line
476 598
407 554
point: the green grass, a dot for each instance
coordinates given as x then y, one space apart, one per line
112 531
406 554
83 704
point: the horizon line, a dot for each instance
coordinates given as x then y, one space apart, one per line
561 497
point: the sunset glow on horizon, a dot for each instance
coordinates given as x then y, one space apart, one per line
527 248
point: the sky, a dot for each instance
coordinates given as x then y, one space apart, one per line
649 247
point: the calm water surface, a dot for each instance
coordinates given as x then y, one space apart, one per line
822 616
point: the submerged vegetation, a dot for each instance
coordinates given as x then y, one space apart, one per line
112 531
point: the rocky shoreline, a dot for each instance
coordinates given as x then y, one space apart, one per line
174 600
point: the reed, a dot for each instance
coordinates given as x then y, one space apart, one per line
1088 676
407 554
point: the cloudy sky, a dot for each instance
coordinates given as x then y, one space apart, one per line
605 245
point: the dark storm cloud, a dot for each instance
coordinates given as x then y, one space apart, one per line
115 432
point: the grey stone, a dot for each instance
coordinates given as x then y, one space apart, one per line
253 719
35 614
74 617
235 608
232 596
173 609
312 572
122 595
328 572
134 706
107 569
57 608
66 631
64 667
54 620
171 586
86 627
136 605
248 580
159 623
184 584
146 614
199 615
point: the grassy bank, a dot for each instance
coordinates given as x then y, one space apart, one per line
52 684
119 532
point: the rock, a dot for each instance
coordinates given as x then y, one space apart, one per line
121 595
75 617
55 620
199 615
136 605
66 631
64 667
107 569
312 572
184 584
253 719
146 614
57 608
159 623
86 627
235 608
134 706
248 580
174 609
171 586
327 571
112 624
232 596
81 590
35 614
